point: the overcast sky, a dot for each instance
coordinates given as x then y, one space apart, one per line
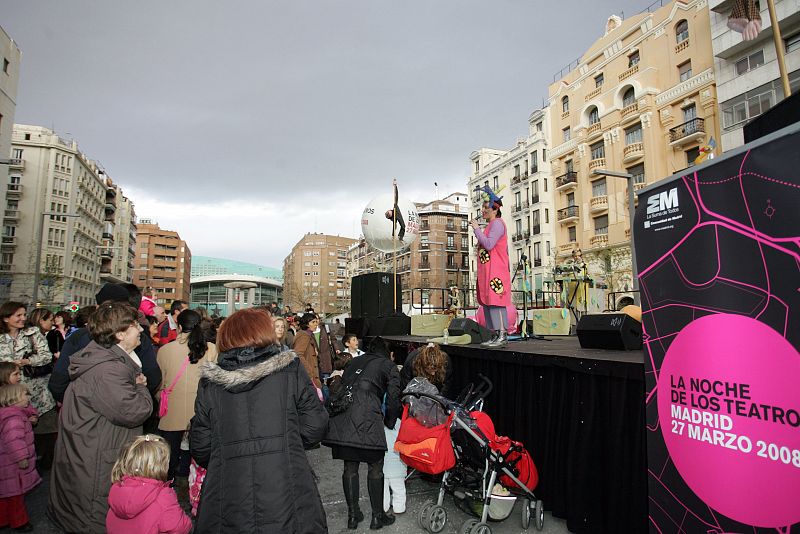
244 125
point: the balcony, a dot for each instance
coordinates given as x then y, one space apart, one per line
9 241
516 208
106 253
526 234
632 152
593 129
526 205
566 248
683 45
11 215
516 182
592 94
108 235
537 262
629 110
111 206
534 199
568 180
13 190
536 229
630 72
638 186
424 265
16 163
565 115
568 214
599 240
599 203
516 237
597 163
687 132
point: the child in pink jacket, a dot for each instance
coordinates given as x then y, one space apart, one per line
141 500
18 473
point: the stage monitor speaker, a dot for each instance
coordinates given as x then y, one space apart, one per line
460 326
356 325
396 325
372 295
613 331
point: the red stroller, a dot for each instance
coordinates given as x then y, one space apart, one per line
484 472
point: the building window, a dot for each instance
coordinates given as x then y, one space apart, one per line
685 71
598 80
689 113
547 216
633 59
633 134
792 43
566 133
681 31
539 126
464 243
570 199
565 105
601 225
594 115
572 232
496 182
534 162
629 98
6 64
638 173
451 242
691 155
599 188
748 63
598 150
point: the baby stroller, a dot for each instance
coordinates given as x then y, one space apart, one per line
475 463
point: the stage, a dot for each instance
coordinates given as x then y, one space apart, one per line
580 412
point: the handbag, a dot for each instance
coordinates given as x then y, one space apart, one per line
36 371
163 403
340 399
426 449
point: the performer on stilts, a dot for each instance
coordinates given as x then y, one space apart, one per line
494 276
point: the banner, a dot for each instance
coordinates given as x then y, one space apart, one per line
718 251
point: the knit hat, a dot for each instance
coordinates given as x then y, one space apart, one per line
114 292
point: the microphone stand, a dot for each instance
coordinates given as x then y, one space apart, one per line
521 265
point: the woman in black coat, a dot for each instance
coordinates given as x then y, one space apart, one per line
256 408
357 435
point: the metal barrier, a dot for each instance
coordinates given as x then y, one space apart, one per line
611 298
438 299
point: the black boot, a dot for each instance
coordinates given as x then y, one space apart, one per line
379 518
354 515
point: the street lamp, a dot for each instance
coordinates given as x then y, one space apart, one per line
631 213
36 274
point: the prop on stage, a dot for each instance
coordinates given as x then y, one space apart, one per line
719 250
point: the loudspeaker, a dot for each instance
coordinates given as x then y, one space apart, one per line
396 325
460 326
614 331
356 325
372 295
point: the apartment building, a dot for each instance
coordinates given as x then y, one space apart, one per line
10 57
163 263
523 173
746 72
124 236
55 210
315 272
641 100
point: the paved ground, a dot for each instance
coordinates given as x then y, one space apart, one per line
329 472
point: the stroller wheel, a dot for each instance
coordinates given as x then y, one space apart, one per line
526 513
538 515
481 528
466 526
437 519
422 517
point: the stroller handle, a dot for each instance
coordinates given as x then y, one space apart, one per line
488 383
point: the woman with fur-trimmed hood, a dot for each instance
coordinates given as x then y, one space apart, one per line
256 408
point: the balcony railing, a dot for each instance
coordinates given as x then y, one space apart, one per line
16 163
593 129
537 262
526 205
516 237
629 110
534 199
536 229
569 179
599 240
599 203
630 72
592 94
597 163
9 240
516 208
567 214
424 265
14 190
11 214
691 129
683 45
632 152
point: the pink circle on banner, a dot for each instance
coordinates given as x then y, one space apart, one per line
733 349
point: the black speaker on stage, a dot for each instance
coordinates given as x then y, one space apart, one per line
396 325
460 326
614 331
372 295
356 325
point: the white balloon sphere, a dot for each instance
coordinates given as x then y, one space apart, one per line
377 229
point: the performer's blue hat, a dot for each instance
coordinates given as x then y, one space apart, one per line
490 197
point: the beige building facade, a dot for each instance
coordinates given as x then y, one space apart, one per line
10 57
315 272
57 192
124 237
163 263
641 100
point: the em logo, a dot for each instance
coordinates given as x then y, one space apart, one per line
662 201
